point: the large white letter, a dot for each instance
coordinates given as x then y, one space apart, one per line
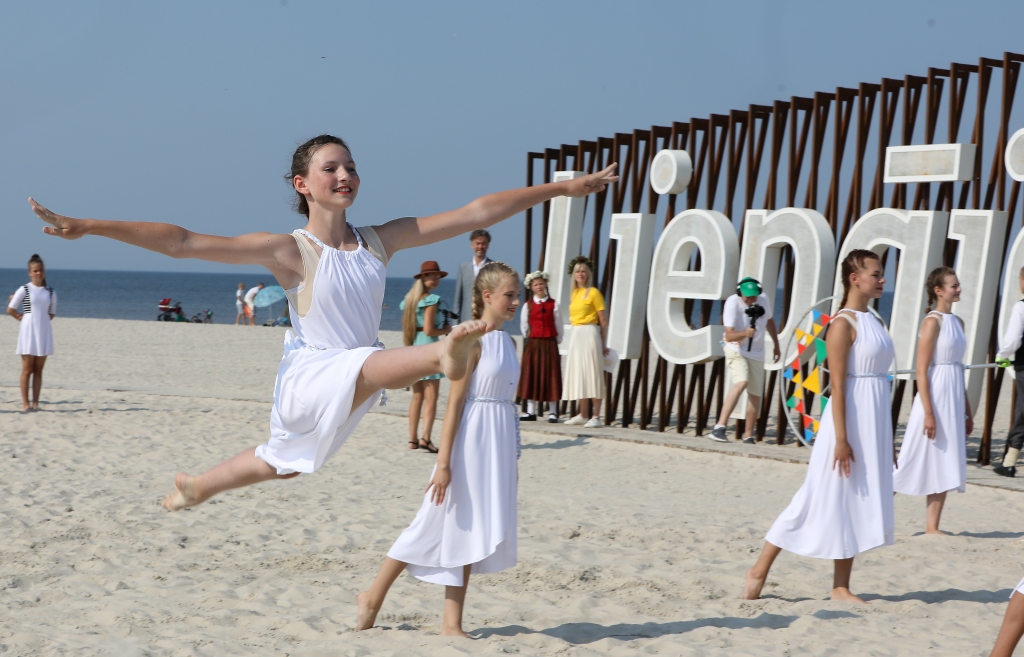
565 235
980 233
814 255
635 234
713 234
920 235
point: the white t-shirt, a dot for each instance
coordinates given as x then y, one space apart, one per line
734 317
251 295
238 295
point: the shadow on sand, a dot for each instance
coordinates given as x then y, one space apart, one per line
947 595
560 444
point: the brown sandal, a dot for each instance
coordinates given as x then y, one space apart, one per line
429 446
414 444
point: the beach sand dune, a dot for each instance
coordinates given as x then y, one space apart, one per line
624 548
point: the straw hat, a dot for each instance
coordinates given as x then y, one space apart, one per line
430 267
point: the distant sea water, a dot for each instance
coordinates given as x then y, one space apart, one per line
136 294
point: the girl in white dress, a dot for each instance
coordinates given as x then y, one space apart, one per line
1012 628
933 458
333 368
845 505
467 522
34 305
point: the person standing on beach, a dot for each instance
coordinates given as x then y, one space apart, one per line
588 345
34 305
1011 348
250 303
933 457
845 505
540 322
744 353
422 325
467 522
462 306
333 368
240 304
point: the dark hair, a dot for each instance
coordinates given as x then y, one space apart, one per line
480 232
937 278
852 263
36 260
300 165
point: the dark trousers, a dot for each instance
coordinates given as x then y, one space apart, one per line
1015 438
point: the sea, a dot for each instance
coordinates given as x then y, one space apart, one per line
136 295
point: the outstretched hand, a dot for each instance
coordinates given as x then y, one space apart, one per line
61 226
593 182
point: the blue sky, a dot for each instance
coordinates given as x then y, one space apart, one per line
188 112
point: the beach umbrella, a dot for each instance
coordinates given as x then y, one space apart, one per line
268 295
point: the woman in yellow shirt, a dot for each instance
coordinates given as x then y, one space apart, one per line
584 365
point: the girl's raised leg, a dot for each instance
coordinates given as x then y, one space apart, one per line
454 601
37 380
1012 629
841 581
934 513
415 406
402 367
757 575
27 367
244 469
368 602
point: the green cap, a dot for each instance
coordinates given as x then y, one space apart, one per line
749 287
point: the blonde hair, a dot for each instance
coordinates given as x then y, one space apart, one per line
412 302
490 277
590 276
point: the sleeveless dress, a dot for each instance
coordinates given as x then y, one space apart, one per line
421 337
324 353
35 335
476 524
838 517
935 466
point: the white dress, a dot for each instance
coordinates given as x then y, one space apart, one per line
832 516
936 466
35 335
324 353
476 523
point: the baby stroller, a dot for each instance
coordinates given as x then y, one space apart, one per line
205 317
170 311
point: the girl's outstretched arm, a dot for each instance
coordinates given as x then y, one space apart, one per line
449 429
486 211
278 253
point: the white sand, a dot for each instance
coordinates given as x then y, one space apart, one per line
624 549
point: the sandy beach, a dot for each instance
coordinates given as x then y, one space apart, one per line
623 548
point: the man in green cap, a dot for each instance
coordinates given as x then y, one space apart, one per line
745 316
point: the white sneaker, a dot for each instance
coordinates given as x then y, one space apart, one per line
593 423
579 419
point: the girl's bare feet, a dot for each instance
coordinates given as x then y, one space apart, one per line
844 594
366 615
186 493
753 585
455 631
456 348
937 532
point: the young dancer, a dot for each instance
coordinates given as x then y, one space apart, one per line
845 505
1013 625
422 325
933 458
333 368
467 523
34 305
540 321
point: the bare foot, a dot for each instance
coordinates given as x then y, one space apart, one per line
937 532
752 586
185 494
455 631
26 408
456 348
843 594
366 615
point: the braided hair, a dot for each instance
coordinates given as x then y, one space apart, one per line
490 277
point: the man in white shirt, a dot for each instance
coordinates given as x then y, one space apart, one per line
1010 348
745 316
250 298
462 305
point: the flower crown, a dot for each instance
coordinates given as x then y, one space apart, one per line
584 260
537 274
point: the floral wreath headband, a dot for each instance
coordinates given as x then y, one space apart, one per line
535 275
581 259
